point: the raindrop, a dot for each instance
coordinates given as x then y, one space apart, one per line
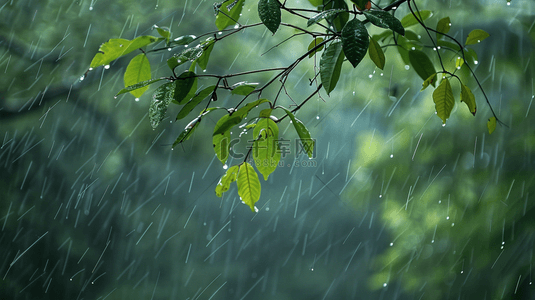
391 155
169 49
220 33
114 97
381 74
449 24
384 284
255 209
462 272
413 48
391 244
432 241
503 243
439 201
508 4
90 7
475 62
434 49
204 71
448 217
106 67
317 117
407 67
370 76
204 224
452 224
380 196
90 69
137 99
444 125
353 93
186 46
82 78
267 208
236 26
438 47
120 45
479 41
225 166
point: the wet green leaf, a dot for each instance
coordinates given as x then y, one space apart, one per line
138 70
476 36
331 66
303 133
468 98
444 101
376 54
324 15
421 64
337 21
248 185
316 2
410 20
198 98
243 88
229 14
184 40
225 123
221 141
459 62
270 14
313 44
430 80
491 125
185 82
266 152
242 112
164 32
187 132
160 101
139 85
443 27
224 183
115 48
207 47
383 19
355 41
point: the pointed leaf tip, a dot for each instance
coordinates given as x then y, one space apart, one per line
270 14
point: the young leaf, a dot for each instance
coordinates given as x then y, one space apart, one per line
324 15
228 13
410 20
383 19
160 101
316 2
184 84
270 14
376 54
313 44
304 135
221 144
248 185
188 131
224 183
266 153
186 109
468 98
491 124
476 36
242 112
430 80
421 64
138 70
331 66
139 85
115 48
355 41
164 32
443 27
243 88
459 62
207 47
443 98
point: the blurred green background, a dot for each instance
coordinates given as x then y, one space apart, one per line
94 204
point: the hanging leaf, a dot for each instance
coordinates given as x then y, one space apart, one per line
221 141
225 123
324 15
491 124
331 66
443 27
139 85
224 183
313 44
430 80
207 47
200 96
459 62
248 185
270 14
471 56
468 98
316 2
410 20
160 101
362 4
476 36
138 70
421 64
243 88
339 20
184 84
228 13
376 54
303 133
443 98
266 153
115 48
163 32
383 19
183 40
188 131
355 41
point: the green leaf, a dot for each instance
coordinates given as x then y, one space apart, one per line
338 21
221 144
200 96
188 131
160 101
383 19
184 40
412 36
184 84
443 98
270 14
224 183
376 54
421 64
225 123
410 20
139 85
316 2
361 4
459 62
491 125
228 13
265 113
468 98
450 45
443 27
163 31
207 47
471 56
304 134
331 13
266 153
115 48
355 41
138 70
476 36
248 185
242 112
430 80
243 88
331 66
313 44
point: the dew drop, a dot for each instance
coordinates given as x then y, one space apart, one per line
448 217
443 125
120 45
236 26
432 241
90 69
225 166
137 99
380 196
413 48
204 71
169 49
452 224
106 67
407 67
434 49
508 4
353 93
204 223
479 41
449 24
438 47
